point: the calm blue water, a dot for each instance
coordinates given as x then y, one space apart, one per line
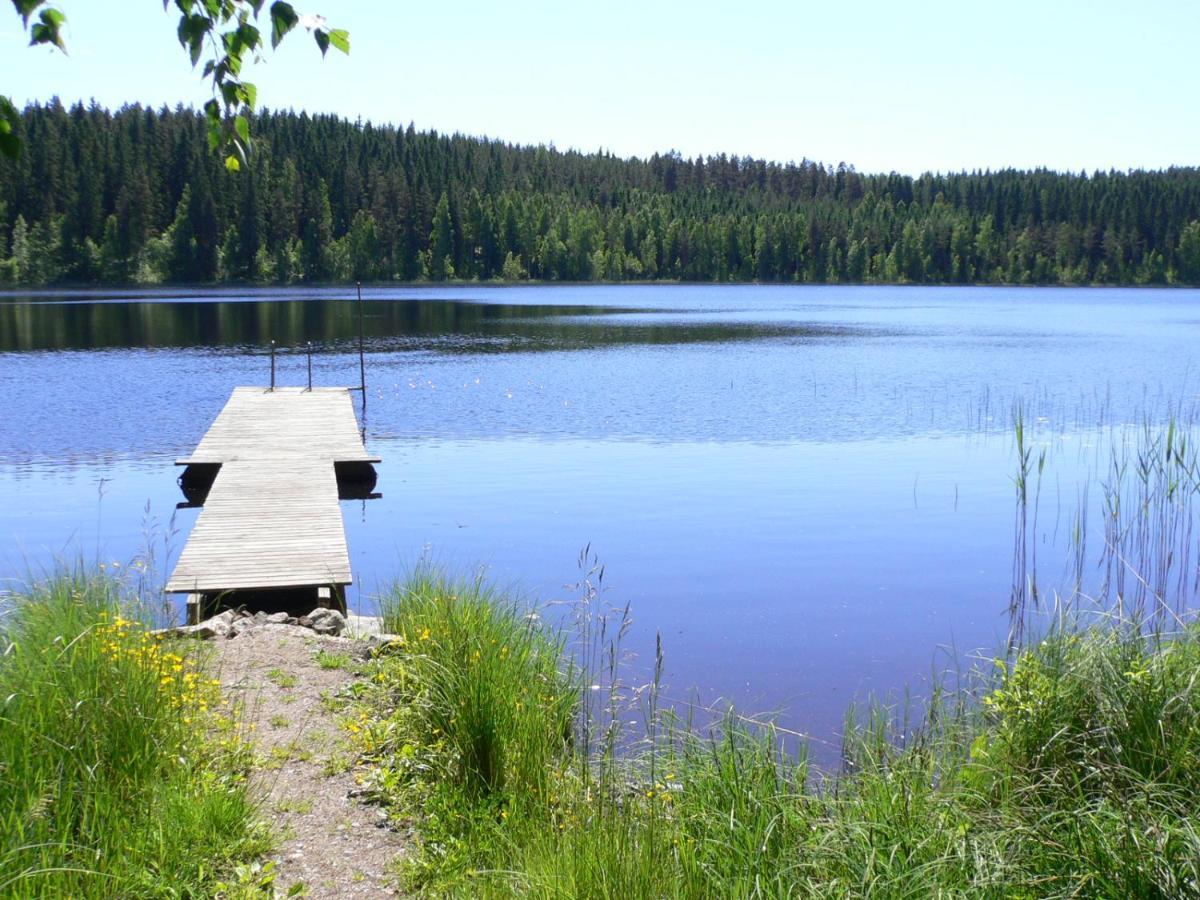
808 491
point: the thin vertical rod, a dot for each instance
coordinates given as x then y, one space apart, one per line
362 364
310 367
272 365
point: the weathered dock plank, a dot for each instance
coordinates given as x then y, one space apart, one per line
271 518
256 422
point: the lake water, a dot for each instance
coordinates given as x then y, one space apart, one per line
808 491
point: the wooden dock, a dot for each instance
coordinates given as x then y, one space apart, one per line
271 521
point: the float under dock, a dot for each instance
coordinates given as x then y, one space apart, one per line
271 521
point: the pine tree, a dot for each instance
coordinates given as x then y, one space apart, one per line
363 250
134 221
202 218
44 263
113 264
1187 257
20 250
318 233
250 225
283 221
441 242
181 263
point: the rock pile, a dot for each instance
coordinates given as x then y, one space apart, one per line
233 622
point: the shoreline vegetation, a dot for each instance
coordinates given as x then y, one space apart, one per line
133 196
1070 768
1068 765
154 288
121 772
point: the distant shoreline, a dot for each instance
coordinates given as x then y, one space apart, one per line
10 290
136 196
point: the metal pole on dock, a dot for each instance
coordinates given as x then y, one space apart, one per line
272 365
310 366
362 365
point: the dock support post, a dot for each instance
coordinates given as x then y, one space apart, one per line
310 366
332 597
362 366
272 365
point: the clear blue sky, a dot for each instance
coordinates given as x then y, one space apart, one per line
927 85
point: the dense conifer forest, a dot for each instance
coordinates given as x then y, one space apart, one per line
135 196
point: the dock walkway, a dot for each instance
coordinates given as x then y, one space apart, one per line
271 520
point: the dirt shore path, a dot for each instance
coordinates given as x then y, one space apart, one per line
332 843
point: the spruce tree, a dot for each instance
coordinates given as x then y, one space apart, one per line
441 242
318 233
20 250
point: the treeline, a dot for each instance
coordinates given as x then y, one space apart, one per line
134 196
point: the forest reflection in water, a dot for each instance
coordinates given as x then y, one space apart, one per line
393 323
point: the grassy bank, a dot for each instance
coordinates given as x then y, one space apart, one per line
1071 770
118 777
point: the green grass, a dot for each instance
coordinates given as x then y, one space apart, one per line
282 679
327 660
471 715
1071 771
116 777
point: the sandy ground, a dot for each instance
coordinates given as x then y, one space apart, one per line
335 844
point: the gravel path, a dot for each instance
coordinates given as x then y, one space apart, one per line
336 845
